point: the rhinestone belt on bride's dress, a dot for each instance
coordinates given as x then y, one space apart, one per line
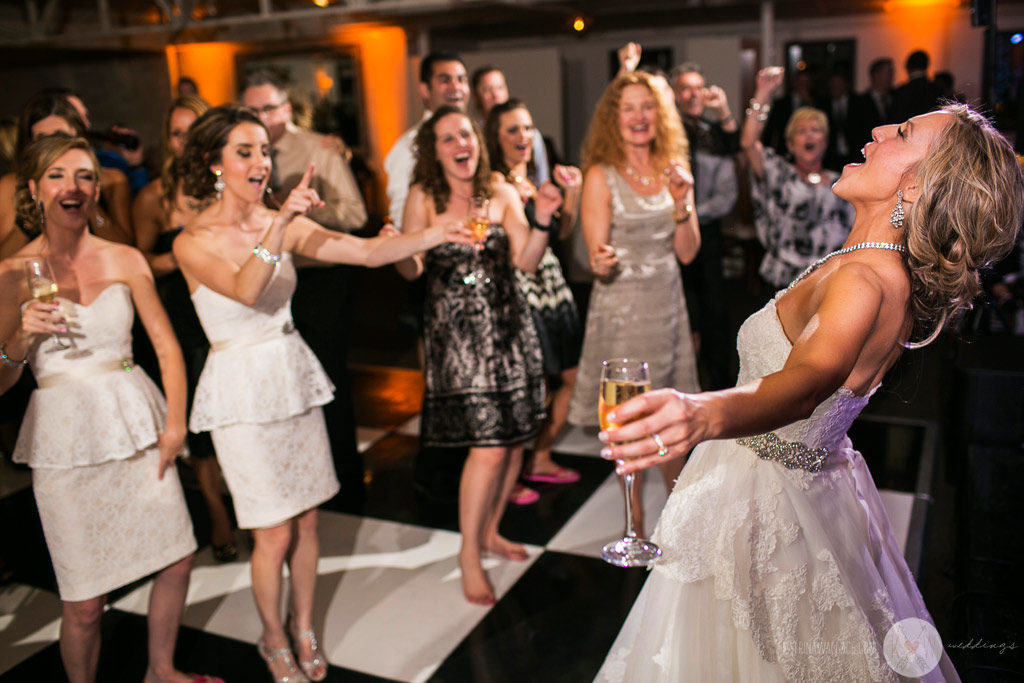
790 454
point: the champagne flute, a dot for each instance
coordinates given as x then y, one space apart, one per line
621 380
479 223
43 287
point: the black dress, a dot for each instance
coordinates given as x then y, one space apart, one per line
483 371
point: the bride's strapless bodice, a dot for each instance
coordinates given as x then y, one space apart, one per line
92 405
763 349
259 369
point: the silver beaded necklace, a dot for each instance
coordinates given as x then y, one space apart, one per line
890 246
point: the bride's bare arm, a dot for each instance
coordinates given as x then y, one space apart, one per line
823 356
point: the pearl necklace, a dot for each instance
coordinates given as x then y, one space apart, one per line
889 246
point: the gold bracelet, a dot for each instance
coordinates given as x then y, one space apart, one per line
10 362
684 215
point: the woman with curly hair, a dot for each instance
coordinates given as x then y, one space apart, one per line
261 390
638 222
98 435
779 561
483 373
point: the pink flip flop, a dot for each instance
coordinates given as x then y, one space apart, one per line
563 475
523 495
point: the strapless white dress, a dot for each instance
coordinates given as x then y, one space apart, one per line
779 561
259 396
89 434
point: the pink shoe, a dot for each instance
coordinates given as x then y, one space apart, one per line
562 475
522 495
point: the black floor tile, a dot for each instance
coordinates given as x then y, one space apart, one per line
556 624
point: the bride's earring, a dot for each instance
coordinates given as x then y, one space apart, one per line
218 184
897 215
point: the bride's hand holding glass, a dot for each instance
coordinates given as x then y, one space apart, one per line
676 419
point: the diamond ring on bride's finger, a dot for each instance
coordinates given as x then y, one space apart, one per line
662 450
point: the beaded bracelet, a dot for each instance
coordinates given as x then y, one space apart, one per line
263 254
8 361
758 110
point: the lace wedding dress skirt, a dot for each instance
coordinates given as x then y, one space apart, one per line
89 434
259 396
779 562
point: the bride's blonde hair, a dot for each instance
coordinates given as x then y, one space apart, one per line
966 217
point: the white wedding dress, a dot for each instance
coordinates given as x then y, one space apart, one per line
779 561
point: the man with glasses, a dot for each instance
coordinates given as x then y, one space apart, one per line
321 306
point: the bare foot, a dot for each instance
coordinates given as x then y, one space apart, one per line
475 585
499 545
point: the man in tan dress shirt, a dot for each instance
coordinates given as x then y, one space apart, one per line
321 304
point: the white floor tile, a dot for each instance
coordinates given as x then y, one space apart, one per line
602 518
578 441
410 427
402 581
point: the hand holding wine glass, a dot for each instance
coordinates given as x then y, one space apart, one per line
621 380
479 223
43 288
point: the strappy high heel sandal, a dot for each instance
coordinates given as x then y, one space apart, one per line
316 660
271 655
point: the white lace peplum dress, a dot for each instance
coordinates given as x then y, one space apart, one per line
772 572
260 396
90 434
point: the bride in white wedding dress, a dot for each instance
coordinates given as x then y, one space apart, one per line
779 562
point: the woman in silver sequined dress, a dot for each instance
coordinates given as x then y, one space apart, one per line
638 222
779 561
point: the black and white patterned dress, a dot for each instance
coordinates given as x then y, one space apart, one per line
796 222
483 370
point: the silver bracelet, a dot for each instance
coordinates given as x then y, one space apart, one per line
263 254
6 360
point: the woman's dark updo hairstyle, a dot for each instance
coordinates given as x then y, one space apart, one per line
492 129
206 139
966 217
428 173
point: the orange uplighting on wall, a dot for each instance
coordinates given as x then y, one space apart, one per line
210 65
922 25
383 69
323 81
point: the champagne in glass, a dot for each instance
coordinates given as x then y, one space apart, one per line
479 222
621 380
42 286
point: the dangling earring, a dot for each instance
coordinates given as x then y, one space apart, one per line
218 184
896 217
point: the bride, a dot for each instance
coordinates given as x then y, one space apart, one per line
779 562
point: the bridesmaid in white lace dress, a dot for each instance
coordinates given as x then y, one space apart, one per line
261 389
779 562
98 435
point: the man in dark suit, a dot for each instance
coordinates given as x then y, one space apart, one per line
842 109
873 107
918 95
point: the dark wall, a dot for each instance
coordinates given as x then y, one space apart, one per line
131 88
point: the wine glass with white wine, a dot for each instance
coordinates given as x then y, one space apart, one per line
621 380
43 287
479 223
